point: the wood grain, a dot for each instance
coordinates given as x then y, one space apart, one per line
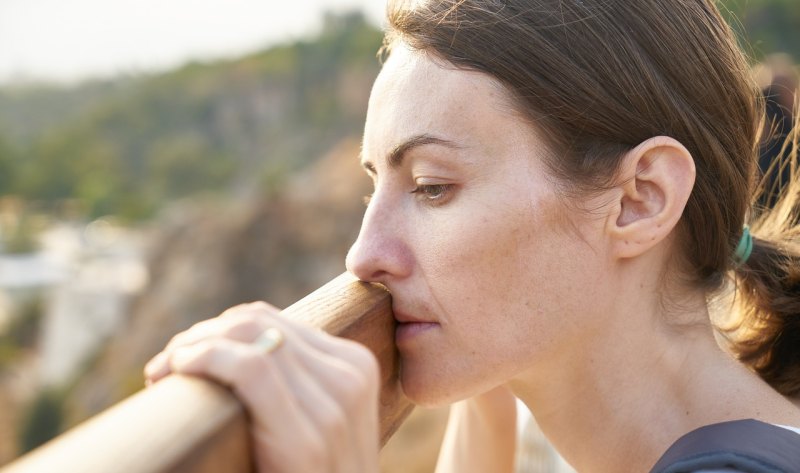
189 425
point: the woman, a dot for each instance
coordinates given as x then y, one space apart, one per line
560 187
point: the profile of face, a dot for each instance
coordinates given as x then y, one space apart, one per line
467 230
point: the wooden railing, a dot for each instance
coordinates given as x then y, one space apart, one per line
184 424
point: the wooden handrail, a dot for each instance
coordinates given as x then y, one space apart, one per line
184 424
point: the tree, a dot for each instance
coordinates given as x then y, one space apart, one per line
8 166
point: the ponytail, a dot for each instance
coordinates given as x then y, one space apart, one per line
766 333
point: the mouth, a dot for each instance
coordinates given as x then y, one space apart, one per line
410 327
406 318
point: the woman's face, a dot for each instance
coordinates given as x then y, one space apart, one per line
466 231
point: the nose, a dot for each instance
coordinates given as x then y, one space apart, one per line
380 253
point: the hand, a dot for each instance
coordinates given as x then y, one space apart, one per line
313 401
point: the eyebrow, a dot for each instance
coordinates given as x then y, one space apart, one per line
398 153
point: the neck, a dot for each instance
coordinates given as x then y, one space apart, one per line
618 406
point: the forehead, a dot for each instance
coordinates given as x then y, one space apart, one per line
417 93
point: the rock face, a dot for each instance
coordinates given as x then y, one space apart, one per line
210 256
90 304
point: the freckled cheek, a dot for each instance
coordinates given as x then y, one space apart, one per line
482 263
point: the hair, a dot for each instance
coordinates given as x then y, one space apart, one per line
600 77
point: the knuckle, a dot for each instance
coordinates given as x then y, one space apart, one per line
262 306
231 311
190 358
366 362
242 327
249 367
315 453
258 309
253 313
333 421
184 337
241 316
203 350
354 389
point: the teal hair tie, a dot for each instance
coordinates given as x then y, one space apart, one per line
745 247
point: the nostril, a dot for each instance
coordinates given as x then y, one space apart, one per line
365 265
379 253
362 271
355 262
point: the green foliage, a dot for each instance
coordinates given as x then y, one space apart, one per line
765 26
8 167
42 420
211 128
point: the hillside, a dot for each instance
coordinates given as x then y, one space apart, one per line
234 127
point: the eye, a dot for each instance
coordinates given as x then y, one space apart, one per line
433 193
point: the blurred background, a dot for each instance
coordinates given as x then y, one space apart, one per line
162 161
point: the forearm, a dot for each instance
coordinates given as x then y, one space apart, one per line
480 435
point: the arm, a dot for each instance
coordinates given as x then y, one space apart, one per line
481 434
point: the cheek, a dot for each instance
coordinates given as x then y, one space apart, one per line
508 283
489 264
479 279
506 274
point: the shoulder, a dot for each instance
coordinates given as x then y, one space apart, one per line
731 447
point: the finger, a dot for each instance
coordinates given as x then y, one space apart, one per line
315 402
348 368
339 347
279 404
350 402
344 365
358 389
159 367
262 306
331 393
156 368
353 388
243 322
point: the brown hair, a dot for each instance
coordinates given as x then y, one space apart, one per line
600 77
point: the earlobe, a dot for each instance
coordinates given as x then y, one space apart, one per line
656 179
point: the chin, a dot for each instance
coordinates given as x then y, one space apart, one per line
427 392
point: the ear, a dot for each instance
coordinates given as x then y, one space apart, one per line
656 179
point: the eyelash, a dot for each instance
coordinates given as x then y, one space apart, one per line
433 194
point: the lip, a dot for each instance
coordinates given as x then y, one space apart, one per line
410 327
407 331
405 318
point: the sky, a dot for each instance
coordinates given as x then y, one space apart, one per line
71 40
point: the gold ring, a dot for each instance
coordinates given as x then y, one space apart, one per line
270 340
